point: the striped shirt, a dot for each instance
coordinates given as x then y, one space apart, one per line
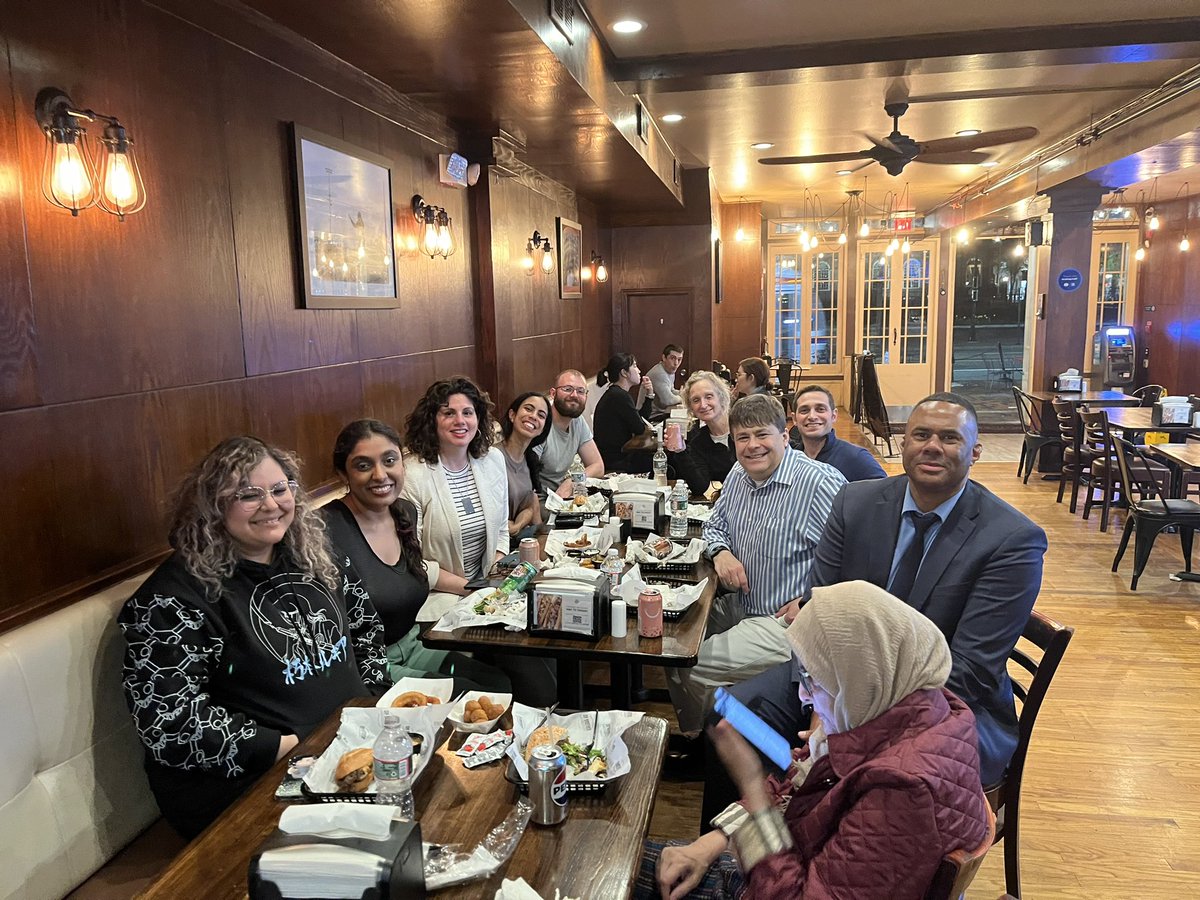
773 529
471 521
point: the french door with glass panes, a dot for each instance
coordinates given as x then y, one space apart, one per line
1114 282
802 321
896 316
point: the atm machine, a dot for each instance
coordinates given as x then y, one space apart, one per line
1114 351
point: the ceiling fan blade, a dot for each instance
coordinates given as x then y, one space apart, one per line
814 158
964 158
975 141
883 142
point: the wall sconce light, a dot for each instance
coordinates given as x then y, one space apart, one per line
426 217
70 178
446 244
599 269
538 254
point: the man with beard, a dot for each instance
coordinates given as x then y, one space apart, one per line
569 435
946 546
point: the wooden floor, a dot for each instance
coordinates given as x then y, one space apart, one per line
1111 804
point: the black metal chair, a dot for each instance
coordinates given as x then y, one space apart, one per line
787 376
1005 797
1149 394
1029 412
1150 517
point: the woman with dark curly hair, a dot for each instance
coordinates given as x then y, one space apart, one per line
376 529
246 638
523 429
458 483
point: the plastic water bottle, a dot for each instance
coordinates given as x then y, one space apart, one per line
578 479
660 466
678 506
612 567
393 767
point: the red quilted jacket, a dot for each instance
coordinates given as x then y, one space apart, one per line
877 814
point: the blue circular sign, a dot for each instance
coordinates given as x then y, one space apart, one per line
1070 280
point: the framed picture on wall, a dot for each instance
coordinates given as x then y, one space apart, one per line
717 293
570 259
345 223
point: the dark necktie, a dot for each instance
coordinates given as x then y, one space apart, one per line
910 562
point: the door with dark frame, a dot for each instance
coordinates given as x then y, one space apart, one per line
656 318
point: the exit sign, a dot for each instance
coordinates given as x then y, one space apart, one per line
903 221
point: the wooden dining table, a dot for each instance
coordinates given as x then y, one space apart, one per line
594 853
678 646
1137 421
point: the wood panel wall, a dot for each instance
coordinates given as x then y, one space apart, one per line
1169 280
129 349
738 320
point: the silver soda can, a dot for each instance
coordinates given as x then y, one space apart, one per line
548 785
529 550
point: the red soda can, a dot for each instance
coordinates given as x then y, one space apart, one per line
650 613
529 550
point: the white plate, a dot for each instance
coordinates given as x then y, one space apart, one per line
458 711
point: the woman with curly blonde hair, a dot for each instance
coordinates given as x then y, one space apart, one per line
246 637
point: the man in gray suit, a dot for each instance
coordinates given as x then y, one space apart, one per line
948 547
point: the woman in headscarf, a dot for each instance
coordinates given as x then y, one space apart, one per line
886 785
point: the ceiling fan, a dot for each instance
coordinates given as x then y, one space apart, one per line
897 150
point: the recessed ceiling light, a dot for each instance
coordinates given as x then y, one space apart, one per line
762 145
628 26
990 164
967 132
843 172
672 117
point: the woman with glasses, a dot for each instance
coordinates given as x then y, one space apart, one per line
625 439
707 455
883 787
523 429
246 638
751 378
376 529
458 483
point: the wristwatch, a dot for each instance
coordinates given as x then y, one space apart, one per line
711 553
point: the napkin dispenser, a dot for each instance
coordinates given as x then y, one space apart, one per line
640 510
400 868
1068 381
571 609
1171 411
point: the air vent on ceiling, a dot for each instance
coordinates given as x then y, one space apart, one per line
562 14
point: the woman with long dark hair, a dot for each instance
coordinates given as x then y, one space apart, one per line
751 378
523 428
246 638
625 439
376 529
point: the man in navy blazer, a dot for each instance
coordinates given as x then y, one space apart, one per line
977 578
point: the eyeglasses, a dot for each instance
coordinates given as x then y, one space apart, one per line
252 497
802 676
569 389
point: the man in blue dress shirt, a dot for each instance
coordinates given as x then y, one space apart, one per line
762 538
813 417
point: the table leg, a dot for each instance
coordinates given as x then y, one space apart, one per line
619 677
570 683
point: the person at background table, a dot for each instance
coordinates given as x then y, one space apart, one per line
376 530
625 439
813 417
751 378
524 427
762 538
885 785
458 483
246 638
707 454
569 436
662 379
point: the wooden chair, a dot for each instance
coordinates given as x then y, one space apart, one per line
1076 461
1149 517
1106 476
958 869
1149 394
1029 412
1005 797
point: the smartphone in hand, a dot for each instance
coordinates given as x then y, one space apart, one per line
773 745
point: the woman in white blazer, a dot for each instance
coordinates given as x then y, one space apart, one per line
459 484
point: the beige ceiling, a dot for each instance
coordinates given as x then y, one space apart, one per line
825 109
